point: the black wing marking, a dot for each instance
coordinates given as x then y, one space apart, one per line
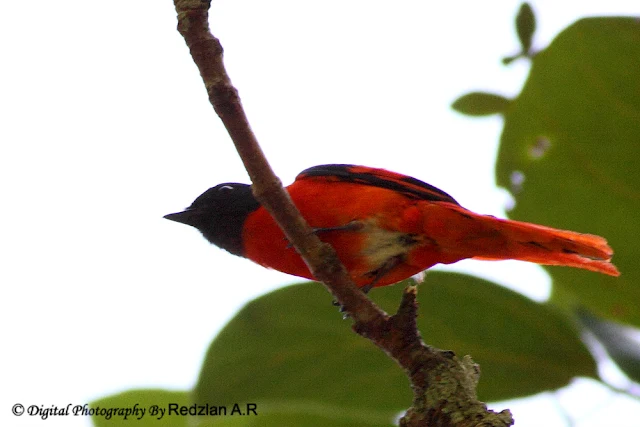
382 178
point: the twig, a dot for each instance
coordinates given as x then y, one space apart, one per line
444 386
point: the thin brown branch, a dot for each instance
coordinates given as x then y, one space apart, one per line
444 387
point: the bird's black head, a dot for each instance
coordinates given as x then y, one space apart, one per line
219 213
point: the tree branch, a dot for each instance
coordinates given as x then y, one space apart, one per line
444 386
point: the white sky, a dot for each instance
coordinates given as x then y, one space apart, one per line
106 127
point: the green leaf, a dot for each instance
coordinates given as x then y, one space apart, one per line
617 340
291 353
525 26
522 347
570 153
141 399
481 104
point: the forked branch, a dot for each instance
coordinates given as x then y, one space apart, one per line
444 386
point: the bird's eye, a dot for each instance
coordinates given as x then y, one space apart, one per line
225 188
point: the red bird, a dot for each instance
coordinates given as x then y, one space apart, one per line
384 226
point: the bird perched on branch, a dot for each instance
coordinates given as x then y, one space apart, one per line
384 226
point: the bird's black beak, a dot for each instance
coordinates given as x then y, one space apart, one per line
188 217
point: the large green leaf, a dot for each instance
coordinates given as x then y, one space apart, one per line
291 353
522 347
151 401
574 135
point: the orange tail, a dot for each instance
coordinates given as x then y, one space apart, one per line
545 245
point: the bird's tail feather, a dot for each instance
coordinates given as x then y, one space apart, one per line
550 246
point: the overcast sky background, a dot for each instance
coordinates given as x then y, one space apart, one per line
106 127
